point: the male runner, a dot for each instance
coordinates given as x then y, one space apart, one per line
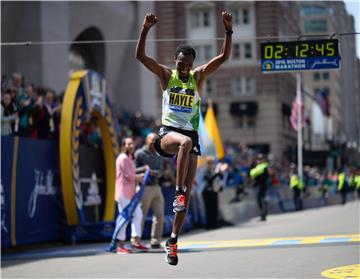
180 115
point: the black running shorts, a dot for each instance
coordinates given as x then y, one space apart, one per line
191 134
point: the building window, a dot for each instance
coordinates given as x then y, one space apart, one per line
285 122
241 16
195 19
313 10
242 51
249 86
245 121
247 51
236 51
236 17
326 75
251 121
316 76
239 122
245 16
315 25
203 53
207 52
236 86
243 86
200 19
206 19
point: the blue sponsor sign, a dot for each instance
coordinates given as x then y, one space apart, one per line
30 192
7 144
299 64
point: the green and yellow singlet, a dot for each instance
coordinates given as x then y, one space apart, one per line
181 103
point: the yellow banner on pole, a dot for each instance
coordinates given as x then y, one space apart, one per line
213 131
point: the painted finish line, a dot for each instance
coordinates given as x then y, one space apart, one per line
84 250
303 240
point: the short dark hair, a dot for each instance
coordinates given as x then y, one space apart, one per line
186 50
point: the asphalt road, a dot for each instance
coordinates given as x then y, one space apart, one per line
293 245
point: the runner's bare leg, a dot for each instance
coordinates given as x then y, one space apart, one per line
189 180
176 143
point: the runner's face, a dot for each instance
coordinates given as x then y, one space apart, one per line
184 64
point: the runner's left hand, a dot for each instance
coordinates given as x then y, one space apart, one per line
227 20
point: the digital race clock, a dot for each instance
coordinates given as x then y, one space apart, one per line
300 55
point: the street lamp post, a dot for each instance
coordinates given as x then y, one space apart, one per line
299 126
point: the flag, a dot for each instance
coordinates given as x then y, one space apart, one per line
294 114
322 98
213 131
207 146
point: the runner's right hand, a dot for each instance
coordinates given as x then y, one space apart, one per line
149 20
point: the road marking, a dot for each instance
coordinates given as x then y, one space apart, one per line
302 240
347 271
65 251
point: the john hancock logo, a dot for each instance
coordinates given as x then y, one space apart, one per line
42 188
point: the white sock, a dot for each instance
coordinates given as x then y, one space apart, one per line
173 235
183 188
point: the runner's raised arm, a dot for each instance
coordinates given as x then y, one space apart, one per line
161 71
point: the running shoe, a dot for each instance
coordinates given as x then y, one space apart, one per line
123 250
112 247
171 253
139 247
179 201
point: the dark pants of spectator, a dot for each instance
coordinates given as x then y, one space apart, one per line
324 196
211 209
297 199
261 200
343 195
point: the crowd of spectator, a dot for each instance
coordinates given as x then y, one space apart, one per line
241 160
27 110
